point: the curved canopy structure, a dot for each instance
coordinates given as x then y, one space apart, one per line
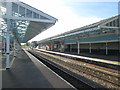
25 21
20 23
110 25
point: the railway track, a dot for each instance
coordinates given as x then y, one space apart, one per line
106 75
67 75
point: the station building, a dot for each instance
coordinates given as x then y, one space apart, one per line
100 38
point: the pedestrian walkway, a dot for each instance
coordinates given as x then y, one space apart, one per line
27 72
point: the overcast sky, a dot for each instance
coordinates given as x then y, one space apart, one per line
73 14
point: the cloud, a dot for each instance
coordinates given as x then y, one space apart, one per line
67 19
92 0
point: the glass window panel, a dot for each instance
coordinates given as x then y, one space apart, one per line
4 4
3 8
118 23
21 11
110 23
28 13
114 23
35 15
14 9
107 24
42 17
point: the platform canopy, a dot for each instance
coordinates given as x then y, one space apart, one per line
25 21
109 25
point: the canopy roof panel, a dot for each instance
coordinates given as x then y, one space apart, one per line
104 26
26 21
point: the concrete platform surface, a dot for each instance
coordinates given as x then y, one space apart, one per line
27 72
98 56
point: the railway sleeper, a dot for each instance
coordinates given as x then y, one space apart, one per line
67 76
102 75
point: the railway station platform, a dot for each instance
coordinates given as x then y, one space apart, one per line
98 56
28 72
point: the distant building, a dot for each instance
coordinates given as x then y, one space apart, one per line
101 37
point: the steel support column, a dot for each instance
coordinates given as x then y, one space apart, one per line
61 46
70 47
78 47
51 45
14 48
106 48
8 15
8 45
90 48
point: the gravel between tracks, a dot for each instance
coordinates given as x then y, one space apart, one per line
95 79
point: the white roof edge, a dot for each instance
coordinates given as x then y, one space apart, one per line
35 10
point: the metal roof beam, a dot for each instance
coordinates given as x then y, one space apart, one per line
30 19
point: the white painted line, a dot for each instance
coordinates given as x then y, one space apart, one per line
2 69
11 63
48 68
